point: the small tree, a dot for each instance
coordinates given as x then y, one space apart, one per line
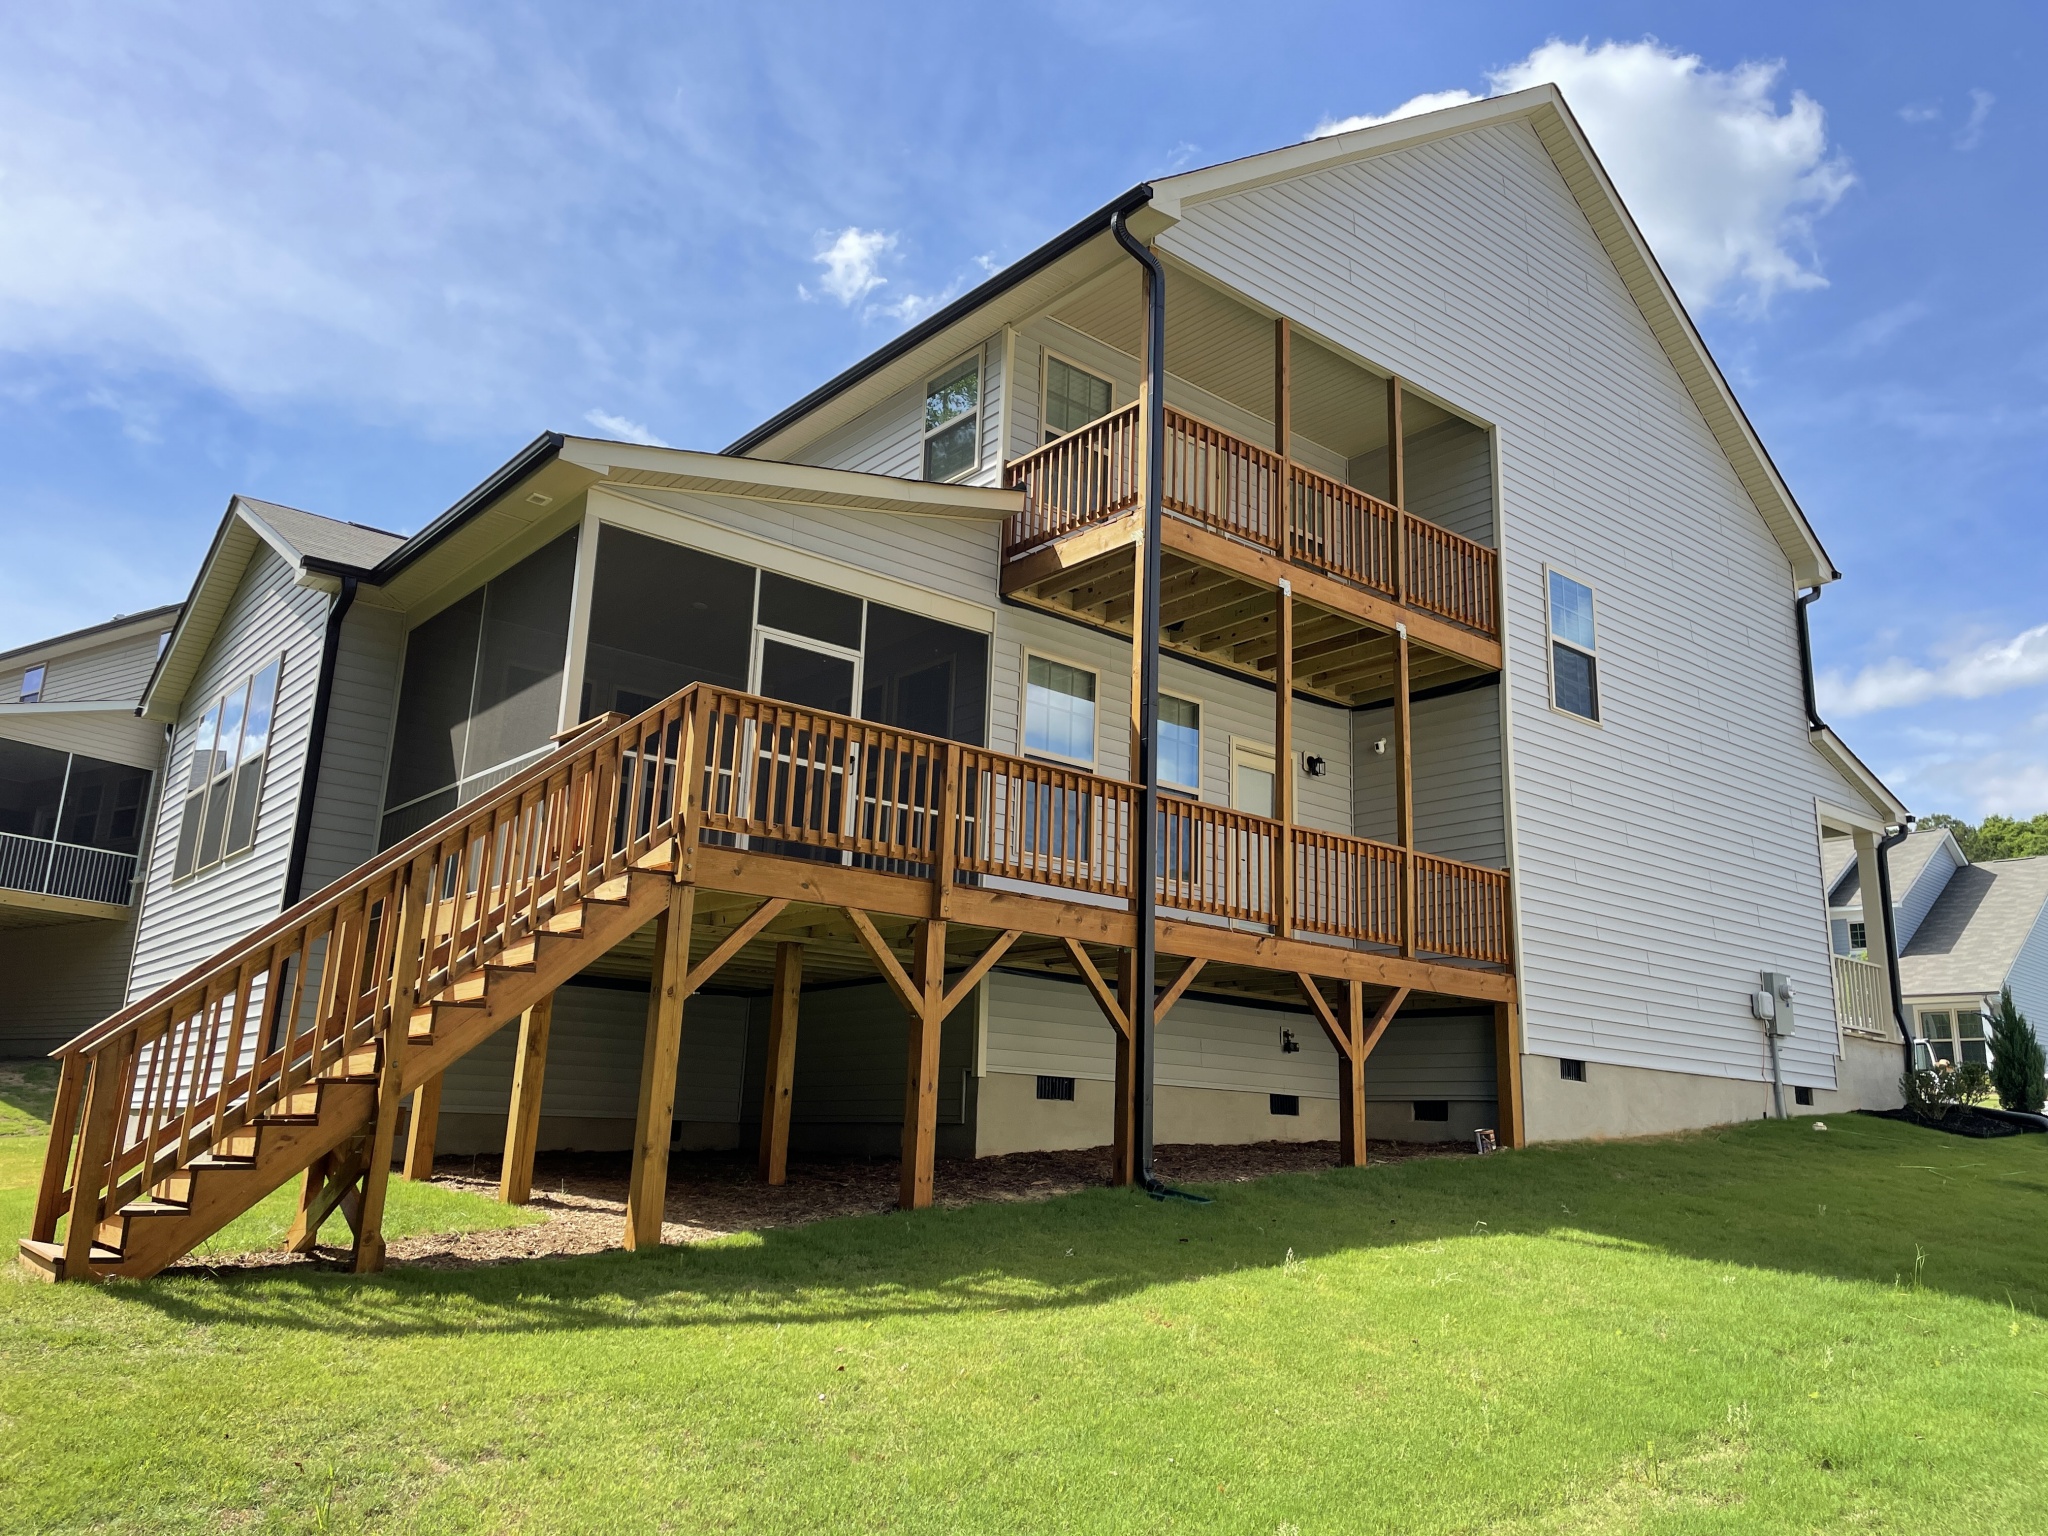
2018 1065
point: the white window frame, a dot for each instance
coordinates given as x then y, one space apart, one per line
195 802
979 356
1551 640
34 695
763 633
1024 750
1047 356
1248 752
1201 746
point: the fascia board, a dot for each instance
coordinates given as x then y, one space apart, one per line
1856 775
715 474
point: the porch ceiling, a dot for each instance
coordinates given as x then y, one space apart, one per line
1225 620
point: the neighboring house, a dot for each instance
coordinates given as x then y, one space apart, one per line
1965 933
77 787
1490 784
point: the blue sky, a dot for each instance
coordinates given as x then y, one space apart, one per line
350 257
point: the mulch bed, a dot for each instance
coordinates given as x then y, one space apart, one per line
1960 1122
715 1194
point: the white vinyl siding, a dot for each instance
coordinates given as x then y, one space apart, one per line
115 672
347 805
1466 266
2028 977
1457 769
61 980
888 439
181 924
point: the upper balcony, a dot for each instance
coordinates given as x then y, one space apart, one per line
69 831
1318 473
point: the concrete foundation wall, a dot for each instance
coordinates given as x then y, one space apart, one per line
1632 1101
1868 1076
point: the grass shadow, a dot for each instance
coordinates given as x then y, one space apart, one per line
28 1095
1870 1201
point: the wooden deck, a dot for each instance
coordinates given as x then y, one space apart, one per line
735 827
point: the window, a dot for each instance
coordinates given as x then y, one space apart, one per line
1059 710
1283 1103
1571 1071
1859 937
1061 1088
1803 1097
952 421
1072 398
1180 743
225 780
1956 1035
162 640
1574 670
32 685
1251 778
1433 1109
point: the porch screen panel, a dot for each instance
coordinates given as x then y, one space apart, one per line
433 710
104 804
31 780
518 698
926 676
663 616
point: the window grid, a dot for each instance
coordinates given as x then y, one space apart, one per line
1073 397
1574 648
1180 743
952 421
225 780
32 684
1059 710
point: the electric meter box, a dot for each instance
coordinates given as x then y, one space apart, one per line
1773 1003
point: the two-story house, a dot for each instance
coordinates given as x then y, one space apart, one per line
78 773
788 794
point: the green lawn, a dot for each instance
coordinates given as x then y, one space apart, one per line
1763 1329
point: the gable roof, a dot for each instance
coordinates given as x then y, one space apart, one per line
1155 207
317 548
1908 862
1976 928
119 627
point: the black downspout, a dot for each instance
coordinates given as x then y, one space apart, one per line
1813 719
1885 845
309 780
1146 638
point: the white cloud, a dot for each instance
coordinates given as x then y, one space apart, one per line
850 263
1724 184
1994 668
1414 106
621 429
1917 112
1981 103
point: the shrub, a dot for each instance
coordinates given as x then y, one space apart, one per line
2018 1065
1937 1092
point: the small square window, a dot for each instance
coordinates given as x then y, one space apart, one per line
32 685
1283 1103
1574 664
1571 1071
1061 1088
1859 936
952 421
1072 398
1803 1096
1433 1109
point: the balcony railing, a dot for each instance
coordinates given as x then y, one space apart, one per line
1215 478
45 867
1862 1000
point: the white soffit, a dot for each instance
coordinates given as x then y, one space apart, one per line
1543 108
717 474
661 513
1856 775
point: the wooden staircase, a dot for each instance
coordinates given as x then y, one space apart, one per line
264 1064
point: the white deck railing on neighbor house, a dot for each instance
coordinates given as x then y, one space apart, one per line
45 867
1861 1000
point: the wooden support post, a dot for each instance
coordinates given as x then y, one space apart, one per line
1397 488
781 1074
396 1005
1123 1150
668 986
921 1078
1404 788
1351 1081
1283 434
105 1093
425 1127
304 1232
522 1123
1283 758
1507 1076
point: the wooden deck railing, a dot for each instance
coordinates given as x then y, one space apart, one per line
1221 481
178 1071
